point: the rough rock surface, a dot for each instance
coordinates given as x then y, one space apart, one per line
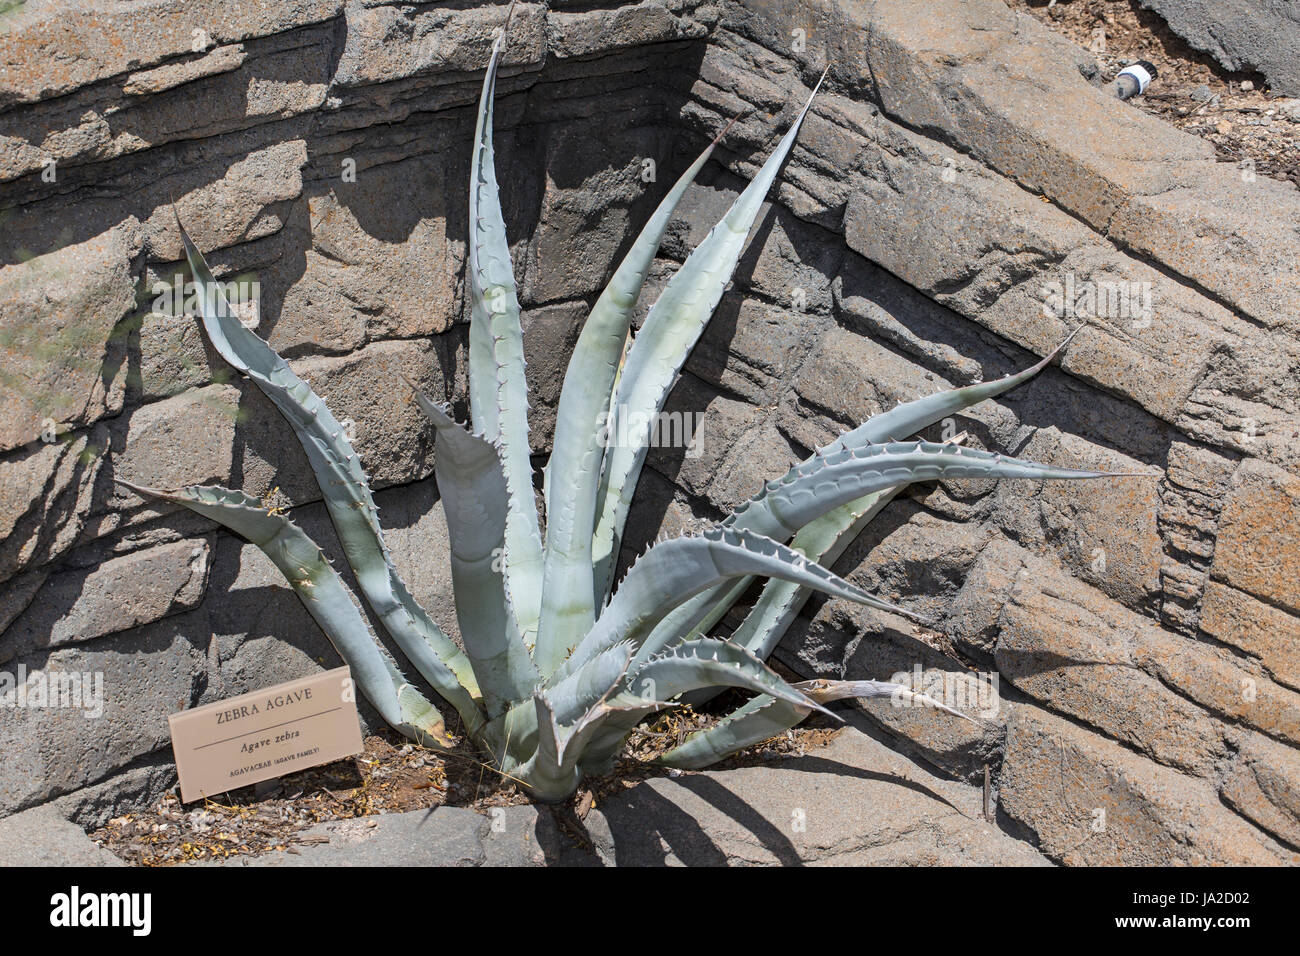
42 836
957 174
853 803
1262 35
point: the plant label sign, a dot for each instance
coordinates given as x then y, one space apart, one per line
265 734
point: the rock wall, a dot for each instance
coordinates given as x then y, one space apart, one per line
1261 35
1144 634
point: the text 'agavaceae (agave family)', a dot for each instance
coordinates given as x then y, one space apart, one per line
557 666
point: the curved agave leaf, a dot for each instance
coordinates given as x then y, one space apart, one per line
489 257
780 602
658 353
347 495
736 663
554 771
826 538
694 665
909 418
824 691
811 489
671 572
473 492
694 618
326 598
904 420
689 667
568 595
513 735
548 774
586 687
498 379
606 744
823 541
765 716
759 719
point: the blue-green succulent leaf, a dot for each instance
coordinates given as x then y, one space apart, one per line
498 377
673 571
347 495
908 418
827 481
765 716
326 598
473 491
568 596
758 719
708 662
780 601
672 327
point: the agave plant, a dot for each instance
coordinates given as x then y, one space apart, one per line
557 666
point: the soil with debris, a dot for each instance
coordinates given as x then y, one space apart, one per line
393 776
1235 112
